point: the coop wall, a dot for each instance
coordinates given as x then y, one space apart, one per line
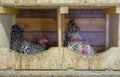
5 29
113 29
58 58
59 1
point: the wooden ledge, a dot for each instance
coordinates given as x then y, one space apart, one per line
8 10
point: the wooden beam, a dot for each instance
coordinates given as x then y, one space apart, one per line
119 31
14 19
63 27
59 29
110 11
118 10
115 10
59 1
64 10
107 31
8 10
58 73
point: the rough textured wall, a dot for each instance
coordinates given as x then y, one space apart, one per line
113 29
64 59
5 28
59 1
119 31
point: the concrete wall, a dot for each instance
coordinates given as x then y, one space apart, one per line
5 29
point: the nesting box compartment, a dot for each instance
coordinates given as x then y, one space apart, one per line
100 27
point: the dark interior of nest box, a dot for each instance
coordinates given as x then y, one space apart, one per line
38 22
92 24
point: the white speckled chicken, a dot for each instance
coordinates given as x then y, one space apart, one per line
74 41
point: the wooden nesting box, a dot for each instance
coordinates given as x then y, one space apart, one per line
60 57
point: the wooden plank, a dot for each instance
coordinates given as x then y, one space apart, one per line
5 29
63 27
94 38
37 13
110 10
58 73
64 10
119 30
118 10
89 24
57 1
113 30
8 10
115 10
52 13
59 30
107 31
38 24
91 29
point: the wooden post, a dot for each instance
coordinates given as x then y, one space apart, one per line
61 24
6 22
119 30
59 29
107 31
63 27
14 19
118 14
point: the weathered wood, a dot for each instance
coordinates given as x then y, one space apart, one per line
64 10
38 24
52 13
92 29
65 59
63 27
83 4
118 10
59 30
119 30
115 10
58 73
110 10
5 29
107 31
58 1
3 58
89 24
8 10
113 29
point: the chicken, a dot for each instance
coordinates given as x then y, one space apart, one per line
74 41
